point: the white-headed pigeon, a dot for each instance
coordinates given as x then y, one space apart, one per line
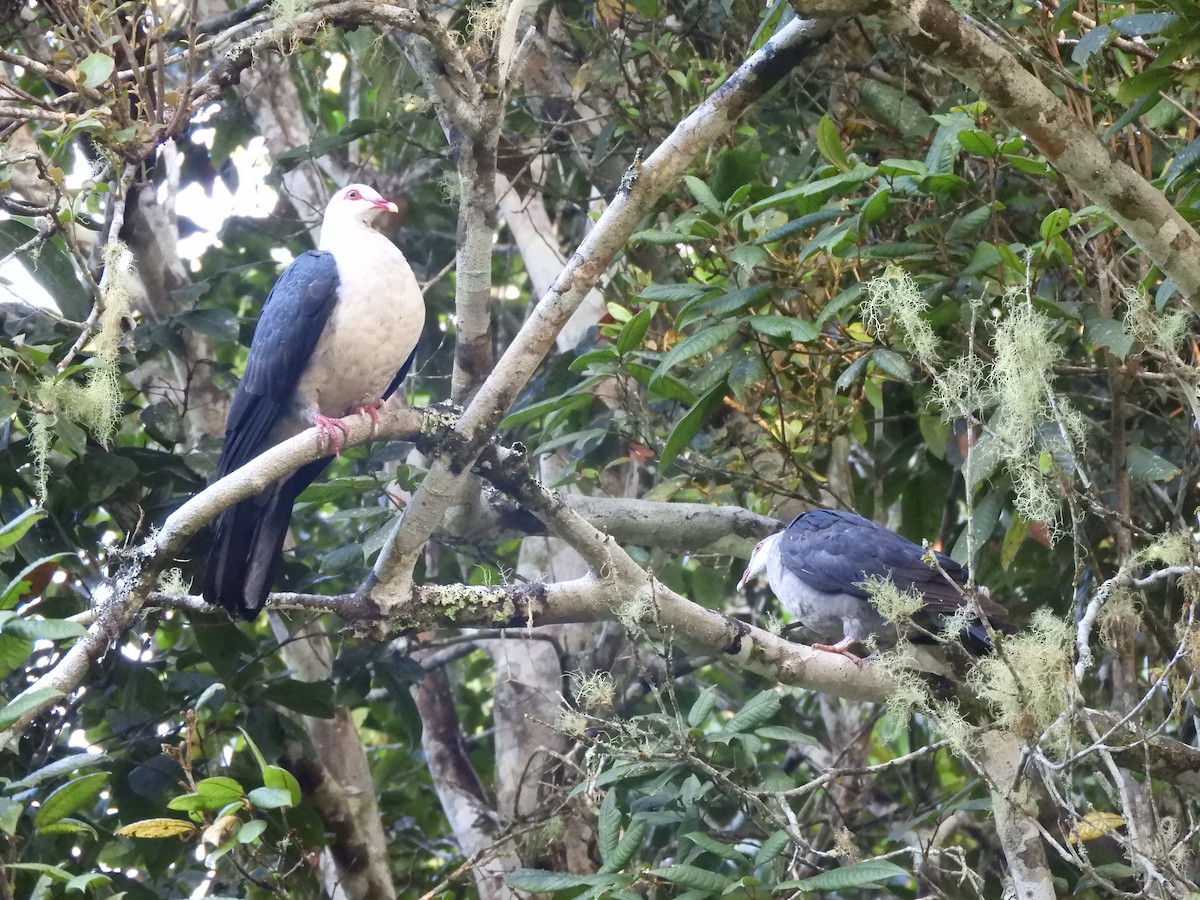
818 564
336 336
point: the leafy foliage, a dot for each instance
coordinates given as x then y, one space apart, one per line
873 294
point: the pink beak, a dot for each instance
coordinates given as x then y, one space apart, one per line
746 576
385 204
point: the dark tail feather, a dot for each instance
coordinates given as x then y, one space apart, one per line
248 545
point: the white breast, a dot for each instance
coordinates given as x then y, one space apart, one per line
829 616
371 330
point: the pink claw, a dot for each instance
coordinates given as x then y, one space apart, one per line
325 431
372 411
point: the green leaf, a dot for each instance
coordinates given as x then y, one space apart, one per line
872 871
282 779
634 330
737 168
1184 162
891 364
22 583
673 293
851 373
88 882
53 872
803 223
692 877
270 798
894 168
24 703
702 708
1029 166
539 881
1142 24
876 207
70 826
748 256
96 68
984 260
536 411
758 710
629 844
715 847
10 815
829 142
608 825
13 531
1055 223
978 142
1149 82
1091 43
774 845
786 733
748 371
785 327
251 831
1145 465
44 629
663 237
1102 332
703 341
71 796
967 224
310 698
58 768
705 197
689 426
211 793
1013 538
843 181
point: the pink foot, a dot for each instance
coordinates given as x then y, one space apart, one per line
326 431
841 648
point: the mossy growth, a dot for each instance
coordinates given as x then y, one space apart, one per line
95 404
484 19
894 297
1027 684
593 691
892 603
1160 331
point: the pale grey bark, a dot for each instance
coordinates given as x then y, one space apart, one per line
1015 810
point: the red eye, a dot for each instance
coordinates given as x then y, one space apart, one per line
353 195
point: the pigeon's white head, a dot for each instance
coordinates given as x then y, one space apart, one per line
758 559
355 205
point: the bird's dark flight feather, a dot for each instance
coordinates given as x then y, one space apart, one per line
249 537
835 551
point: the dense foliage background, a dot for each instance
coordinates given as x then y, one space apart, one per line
873 290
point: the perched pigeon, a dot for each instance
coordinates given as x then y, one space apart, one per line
817 565
335 337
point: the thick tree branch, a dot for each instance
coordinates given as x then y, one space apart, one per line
647 182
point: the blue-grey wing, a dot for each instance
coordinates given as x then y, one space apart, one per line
291 322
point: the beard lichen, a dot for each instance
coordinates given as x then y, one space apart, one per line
895 297
892 603
1027 686
96 403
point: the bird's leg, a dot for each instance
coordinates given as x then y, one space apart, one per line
841 648
325 431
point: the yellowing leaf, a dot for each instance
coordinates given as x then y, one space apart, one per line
1095 825
158 828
